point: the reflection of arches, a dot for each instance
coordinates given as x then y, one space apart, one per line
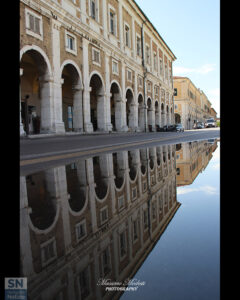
97 102
178 147
150 114
177 118
36 109
129 109
157 114
116 107
41 201
119 175
71 97
140 112
162 115
101 187
143 160
132 168
76 190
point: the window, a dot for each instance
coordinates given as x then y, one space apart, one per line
127 35
134 193
106 262
161 66
94 9
149 87
135 230
156 90
160 203
138 45
129 75
115 67
112 21
166 71
144 186
155 61
145 219
175 92
122 244
121 202
96 56
84 282
81 230
48 251
103 215
33 24
70 40
140 81
147 54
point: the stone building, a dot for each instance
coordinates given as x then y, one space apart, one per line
213 113
191 105
191 159
95 218
92 65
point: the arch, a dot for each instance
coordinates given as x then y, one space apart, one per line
71 96
38 49
115 105
99 75
71 62
177 118
150 115
141 111
129 108
36 108
97 101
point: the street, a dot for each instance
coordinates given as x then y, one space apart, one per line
36 154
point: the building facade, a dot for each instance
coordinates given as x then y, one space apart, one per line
191 105
95 218
92 65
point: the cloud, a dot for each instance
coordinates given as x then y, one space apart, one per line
200 70
207 189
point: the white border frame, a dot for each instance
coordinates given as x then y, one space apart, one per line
30 32
75 43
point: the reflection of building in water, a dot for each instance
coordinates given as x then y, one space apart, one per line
191 159
96 218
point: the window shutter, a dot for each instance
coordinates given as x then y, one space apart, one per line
31 22
37 25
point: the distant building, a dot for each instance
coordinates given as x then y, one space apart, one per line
213 113
191 105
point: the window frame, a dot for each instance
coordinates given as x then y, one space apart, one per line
116 63
99 53
105 208
129 35
29 31
96 10
83 222
44 245
72 51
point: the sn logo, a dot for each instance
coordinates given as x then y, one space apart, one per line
16 283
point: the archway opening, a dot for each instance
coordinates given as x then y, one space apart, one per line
71 98
177 118
96 103
35 93
129 108
162 115
140 112
115 105
149 115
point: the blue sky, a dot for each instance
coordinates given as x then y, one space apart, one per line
191 29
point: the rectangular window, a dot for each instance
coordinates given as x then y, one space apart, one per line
145 219
140 81
154 210
139 46
48 251
103 215
112 22
144 186
93 9
121 202
129 75
155 61
161 66
122 244
115 67
127 35
134 193
70 42
175 92
166 71
149 87
135 230
34 23
81 231
84 282
160 203
96 56
147 54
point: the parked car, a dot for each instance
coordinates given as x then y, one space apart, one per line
179 127
200 125
210 123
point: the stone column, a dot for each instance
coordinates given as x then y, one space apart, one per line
86 92
77 108
105 18
124 116
108 94
22 132
57 81
83 11
47 105
121 26
101 112
118 103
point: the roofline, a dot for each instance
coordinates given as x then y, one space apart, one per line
154 29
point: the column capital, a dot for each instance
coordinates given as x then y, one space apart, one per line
77 87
